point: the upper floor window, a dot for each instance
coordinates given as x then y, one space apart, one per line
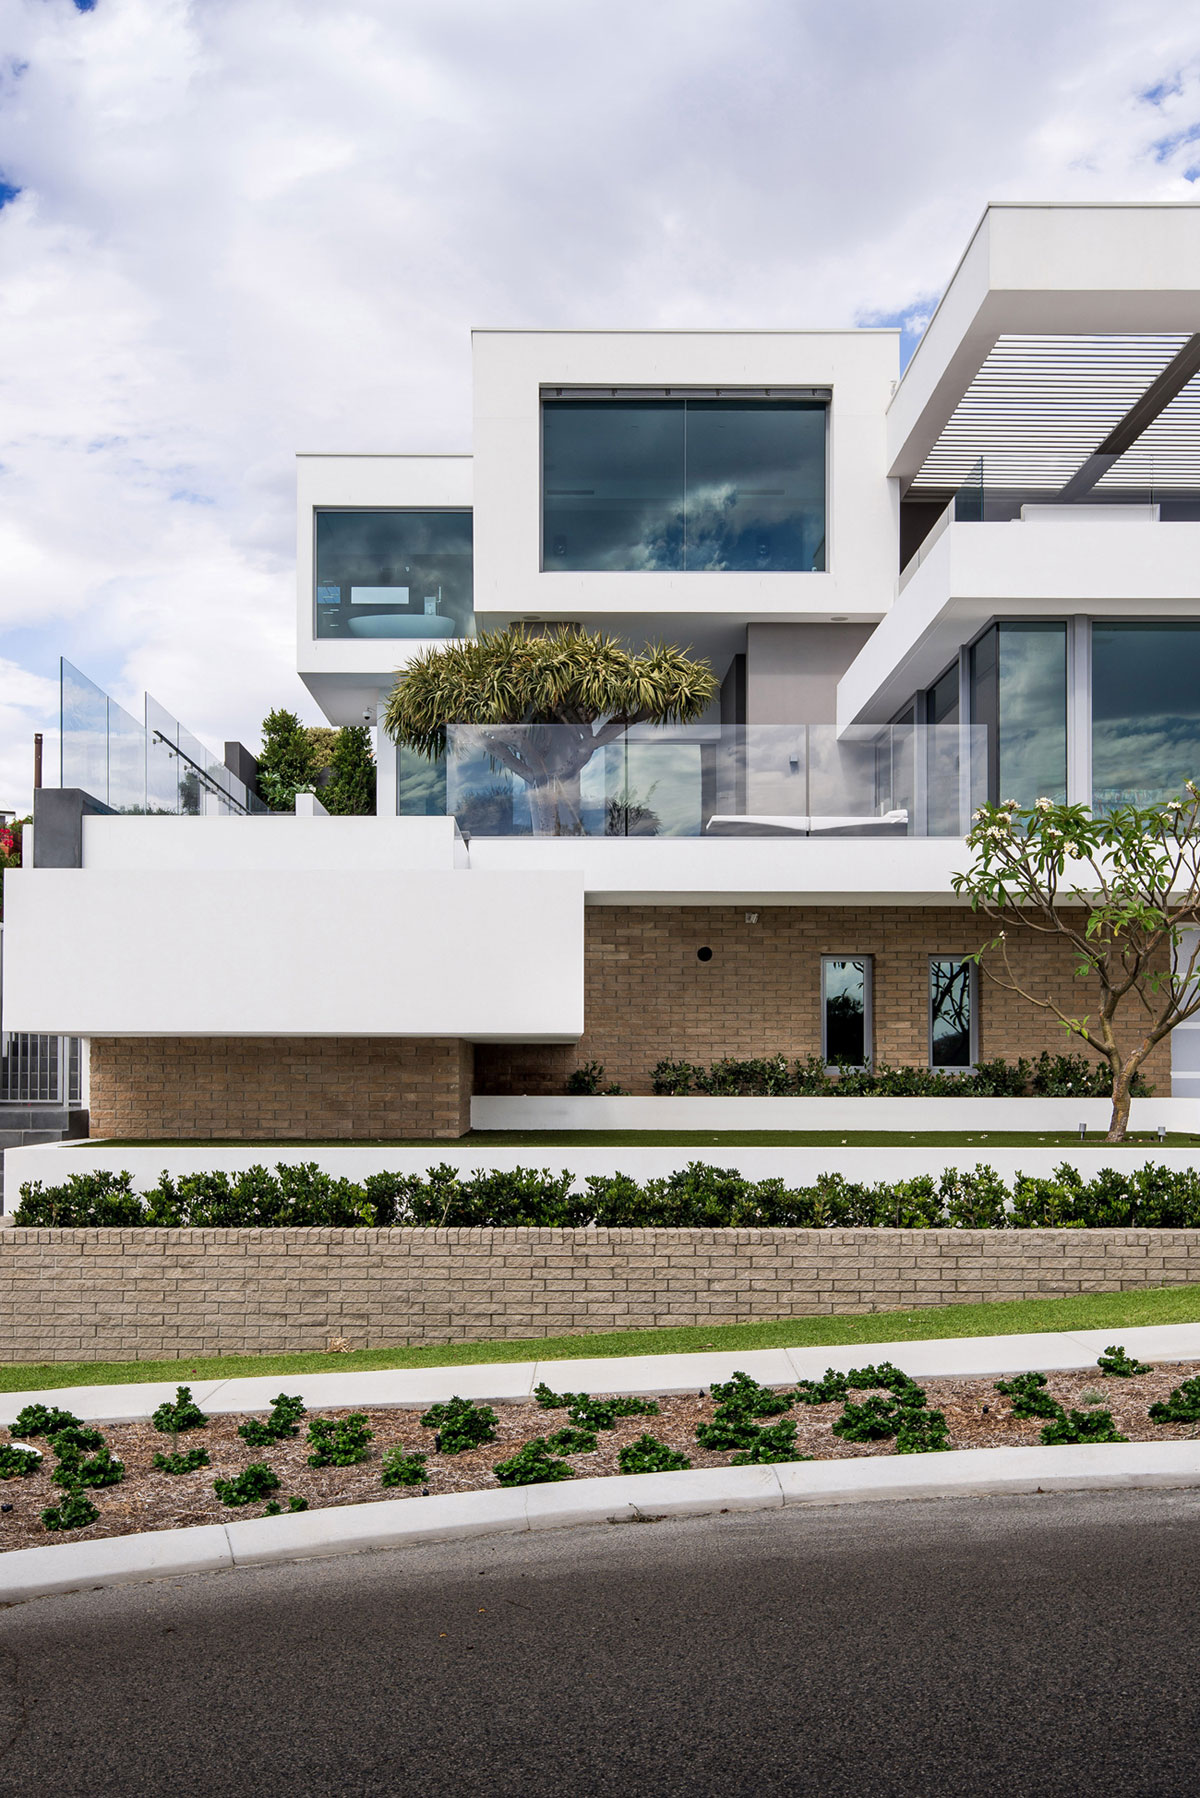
1019 690
391 572
1145 711
668 484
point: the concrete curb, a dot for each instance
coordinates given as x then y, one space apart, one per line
28 1573
513 1382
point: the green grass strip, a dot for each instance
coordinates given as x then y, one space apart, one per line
1018 1317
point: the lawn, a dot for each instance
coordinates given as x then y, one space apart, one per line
1088 1311
690 1139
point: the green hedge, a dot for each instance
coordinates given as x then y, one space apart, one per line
697 1196
773 1076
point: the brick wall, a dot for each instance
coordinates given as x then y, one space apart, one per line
146 1294
648 998
266 1088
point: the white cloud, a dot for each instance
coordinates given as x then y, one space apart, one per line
251 229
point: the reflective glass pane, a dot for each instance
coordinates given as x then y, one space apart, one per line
665 485
1145 712
1032 709
844 1004
126 761
755 489
84 733
394 573
950 1013
612 484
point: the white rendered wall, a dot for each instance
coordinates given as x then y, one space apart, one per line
287 952
278 841
512 366
1050 568
348 676
551 1112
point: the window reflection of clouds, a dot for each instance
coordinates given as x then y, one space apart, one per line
1033 712
1145 711
668 485
424 556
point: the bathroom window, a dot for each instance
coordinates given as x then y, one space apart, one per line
393 573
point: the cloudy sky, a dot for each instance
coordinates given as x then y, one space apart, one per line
232 229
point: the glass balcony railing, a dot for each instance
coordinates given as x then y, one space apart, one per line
897 780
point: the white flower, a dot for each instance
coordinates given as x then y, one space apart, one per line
1045 805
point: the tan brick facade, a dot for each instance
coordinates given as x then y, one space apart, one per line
70 1295
648 998
265 1088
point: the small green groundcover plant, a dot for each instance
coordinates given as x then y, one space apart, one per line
1081 1426
182 1414
339 1442
532 1465
649 1455
774 1443
15 1461
592 1414
460 1425
188 1460
44 1420
1115 1362
73 1512
253 1483
744 1397
283 1422
400 1468
1183 1405
273 1508
570 1441
1029 1396
100 1469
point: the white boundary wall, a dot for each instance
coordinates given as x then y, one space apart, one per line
54 1162
556 1112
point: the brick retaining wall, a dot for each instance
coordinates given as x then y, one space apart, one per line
148 1294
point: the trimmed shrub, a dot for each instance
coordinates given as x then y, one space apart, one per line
44 1420
81 1201
15 1462
183 1414
1050 1076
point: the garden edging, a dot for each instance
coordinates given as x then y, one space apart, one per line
29 1573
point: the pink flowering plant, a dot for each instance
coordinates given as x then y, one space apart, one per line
1122 890
10 851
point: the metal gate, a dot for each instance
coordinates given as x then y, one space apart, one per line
40 1070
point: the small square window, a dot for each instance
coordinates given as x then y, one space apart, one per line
952 1012
846 1010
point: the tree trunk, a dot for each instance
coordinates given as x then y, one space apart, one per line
1119 1122
555 806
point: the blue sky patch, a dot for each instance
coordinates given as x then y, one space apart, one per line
1166 146
85 5
910 321
1162 90
7 192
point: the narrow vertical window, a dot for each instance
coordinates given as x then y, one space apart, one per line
951 1012
846 1010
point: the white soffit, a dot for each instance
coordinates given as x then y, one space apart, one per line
1166 457
1039 406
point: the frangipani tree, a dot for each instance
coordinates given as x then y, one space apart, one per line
1122 891
541 706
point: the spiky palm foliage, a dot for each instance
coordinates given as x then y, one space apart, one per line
542 706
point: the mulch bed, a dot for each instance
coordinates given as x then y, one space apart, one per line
976 1414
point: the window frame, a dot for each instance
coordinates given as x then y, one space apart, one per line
320 508
973 1003
868 962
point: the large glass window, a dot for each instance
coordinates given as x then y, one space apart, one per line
667 484
951 1012
1019 690
1145 712
393 573
846 1010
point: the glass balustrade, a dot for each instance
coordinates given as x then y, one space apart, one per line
745 781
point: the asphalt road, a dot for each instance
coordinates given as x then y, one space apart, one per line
1011 1646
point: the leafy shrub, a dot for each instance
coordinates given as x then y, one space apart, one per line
602 1413
873 1420
829 1389
1183 1406
100 1469
533 1465
556 1401
42 1420
460 1425
732 1431
745 1396
1081 1426
649 1455
339 1442
74 1511
283 1422
774 1443
1071 1076
75 1440
1029 1396
183 1414
254 1482
572 1442
188 1460
1115 1362
921 1431
273 1508
81 1201
403 1469
589 1079
16 1461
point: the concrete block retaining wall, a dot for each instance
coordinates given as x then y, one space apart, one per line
148 1294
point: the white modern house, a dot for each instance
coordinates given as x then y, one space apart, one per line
978 579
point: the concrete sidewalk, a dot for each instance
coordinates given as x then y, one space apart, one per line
513 1382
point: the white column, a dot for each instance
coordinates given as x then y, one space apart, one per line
386 785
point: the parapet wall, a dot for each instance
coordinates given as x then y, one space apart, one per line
69 1295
